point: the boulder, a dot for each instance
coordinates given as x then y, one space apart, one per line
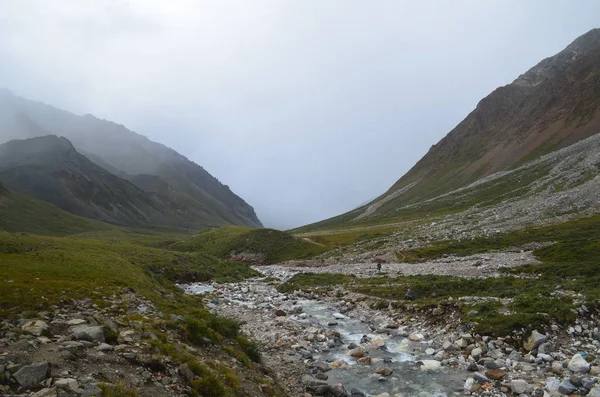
359 352
534 340
67 383
90 334
32 375
578 364
520 386
35 327
566 387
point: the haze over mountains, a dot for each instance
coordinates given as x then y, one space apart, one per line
553 105
103 171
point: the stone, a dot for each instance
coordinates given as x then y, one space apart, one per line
534 340
76 321
105 347
266 388
557 367
552 384
90 334
67 383
416 337
321 366
479 377
469 383
476 353
461 343
365 360
35 327
578 364
595 392
520 386
356 393
566 387
430 352
546 358
32 375
429 365
47 392
280 313
338 390
338 364
359 352
338 316
495 374
384 371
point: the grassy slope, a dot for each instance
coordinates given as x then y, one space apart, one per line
276 246
573 262
37 272
22 213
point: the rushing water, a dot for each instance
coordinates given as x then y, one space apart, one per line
399 355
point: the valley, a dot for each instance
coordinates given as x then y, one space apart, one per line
128 270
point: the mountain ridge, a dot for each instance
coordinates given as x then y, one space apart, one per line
186 186
551 106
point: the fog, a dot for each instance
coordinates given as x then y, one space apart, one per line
307 108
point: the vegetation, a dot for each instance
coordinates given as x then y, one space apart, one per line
526 296
275 246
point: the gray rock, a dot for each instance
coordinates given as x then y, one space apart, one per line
67 383
91 390
32 375
566 387
595 392
534 340
481 378
90 334
578 364
520 386
35 327
356 393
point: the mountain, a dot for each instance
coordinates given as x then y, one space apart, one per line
553 105
179 185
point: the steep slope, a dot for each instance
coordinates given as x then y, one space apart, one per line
22 213
50 169
183 185
551 106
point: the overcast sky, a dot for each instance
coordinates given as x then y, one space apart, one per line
306 108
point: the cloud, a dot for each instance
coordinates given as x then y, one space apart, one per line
305 108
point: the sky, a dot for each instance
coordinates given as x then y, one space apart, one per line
305 108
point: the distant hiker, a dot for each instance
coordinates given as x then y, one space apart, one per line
379 267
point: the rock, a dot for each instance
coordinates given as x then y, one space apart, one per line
430 352
410 295
35 327
338 390
429 365
338 364
552 384
32 375
392 325
546 358
356 393
359 352
76 321
46 393
534 340
461 343
105 347
595 392
321 376
338 316
473 367
186 372
469 384
566 387
318 389
416 337
321 366
557 367
365 360
495 374
266 388
476 353
578 364
384 371
67 383
280 313
520 386
480 377
90 334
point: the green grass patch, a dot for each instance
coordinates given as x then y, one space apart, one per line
275 246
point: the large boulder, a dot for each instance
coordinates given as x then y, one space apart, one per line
579 365
35 327
90 334
32 375
534 340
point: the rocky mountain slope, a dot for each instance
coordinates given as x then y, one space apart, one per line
182 186
551 106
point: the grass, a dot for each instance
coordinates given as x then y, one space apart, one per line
529 292
273 245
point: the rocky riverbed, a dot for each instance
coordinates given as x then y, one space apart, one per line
336 345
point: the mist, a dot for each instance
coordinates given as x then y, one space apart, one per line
306 109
